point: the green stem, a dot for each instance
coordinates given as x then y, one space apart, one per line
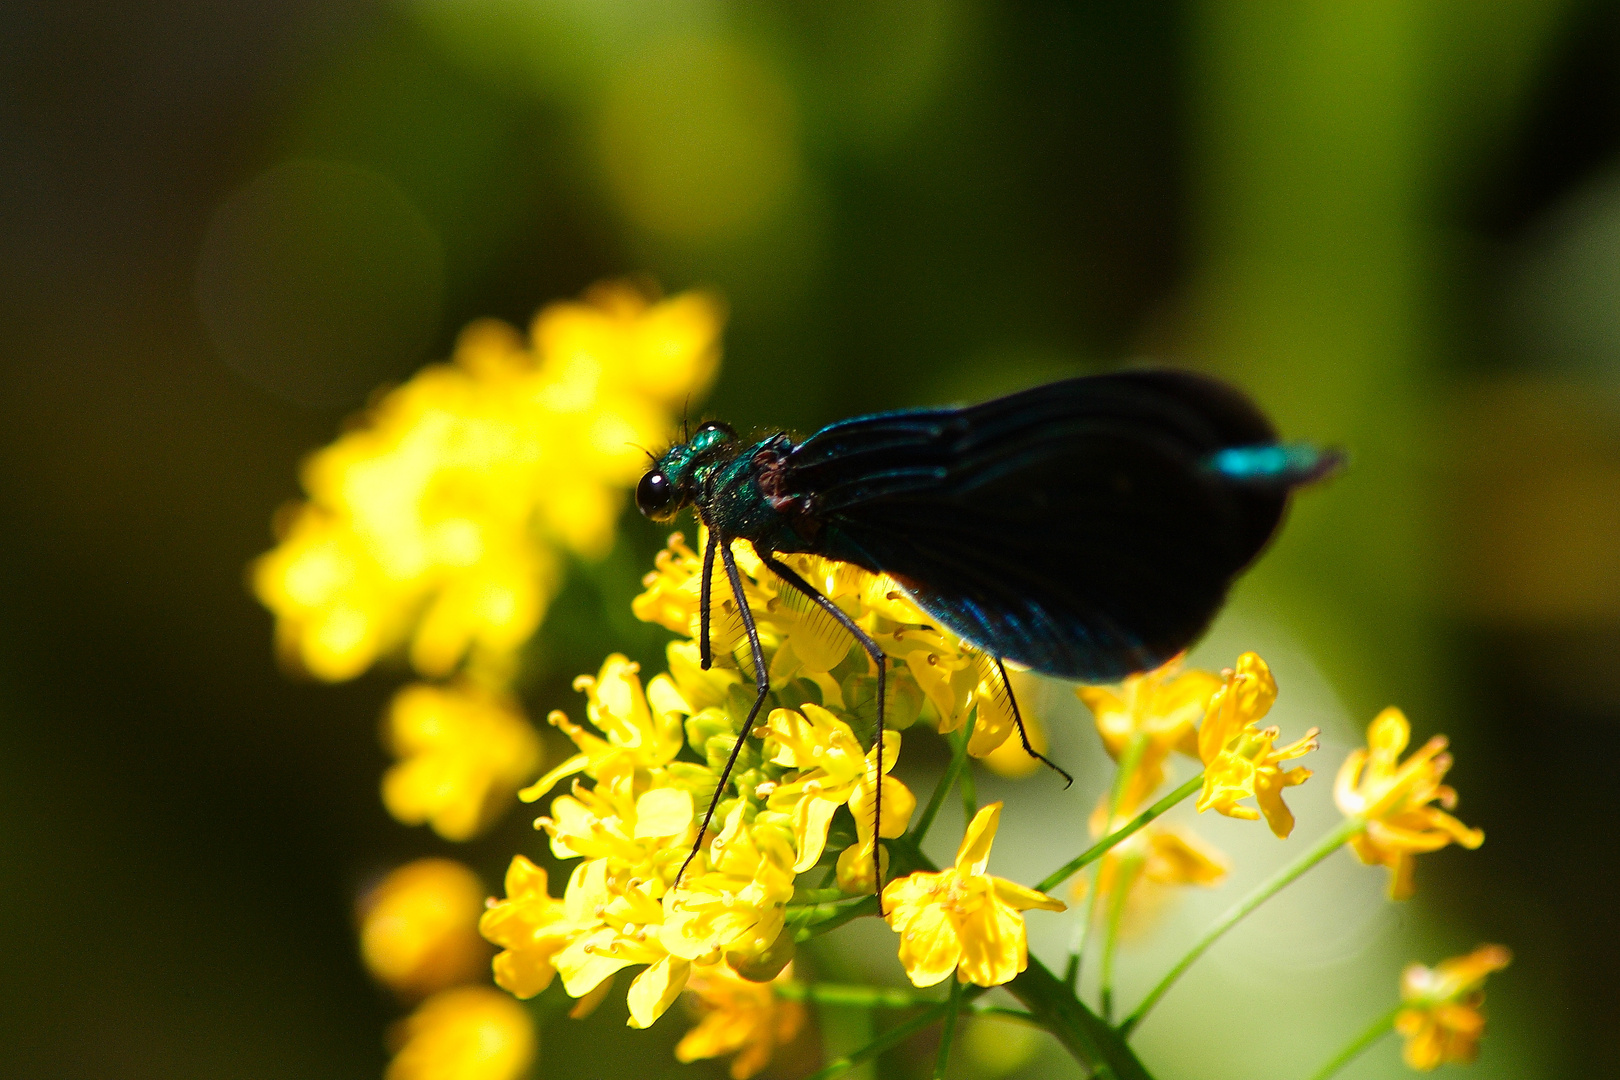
813 920
1101 847
970 794
1324 847
1095 1045
1122 778
1124 879
1082 936
864 997
945 1037
889 1039
1352 1050
941 789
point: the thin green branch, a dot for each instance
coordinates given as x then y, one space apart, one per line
890 1038
953 1011
1096 1046
1101 847
1324 847
853 996
1124 879
1352 1050
941 789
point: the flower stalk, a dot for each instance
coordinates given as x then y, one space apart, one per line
1124 832
1324 847
1353 1049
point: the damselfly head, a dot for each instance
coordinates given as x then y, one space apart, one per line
672 482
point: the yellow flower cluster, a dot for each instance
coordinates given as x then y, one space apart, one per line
437 523
1241 759
1214 718
1440 1007
419 936
801 797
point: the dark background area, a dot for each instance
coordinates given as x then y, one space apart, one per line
1399 227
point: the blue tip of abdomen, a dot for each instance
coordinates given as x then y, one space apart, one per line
1286 464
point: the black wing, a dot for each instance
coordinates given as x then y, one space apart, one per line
1080 528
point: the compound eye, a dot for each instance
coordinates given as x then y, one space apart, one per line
656 497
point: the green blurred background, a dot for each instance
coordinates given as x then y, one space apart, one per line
1397 224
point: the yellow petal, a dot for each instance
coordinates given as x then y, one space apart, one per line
1022 898
974 853
663 812
655 989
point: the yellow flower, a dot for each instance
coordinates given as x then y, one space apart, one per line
470 1033
1440 1020
1162 707
963 918
436 522
639 735
735 904
463 752
529 926
1394 797
1150 864
834 772
419 927
616 925
737 1016
1240 759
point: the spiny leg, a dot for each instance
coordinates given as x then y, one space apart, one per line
762 684
1023 736
787 574
705 655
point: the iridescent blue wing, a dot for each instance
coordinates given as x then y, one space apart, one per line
1088 529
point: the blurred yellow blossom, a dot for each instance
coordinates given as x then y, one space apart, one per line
469 1033
1440 1016
436 523
1162 707
463 752
1148 865
737 1016
1240 758
419 927
1393 798
963 918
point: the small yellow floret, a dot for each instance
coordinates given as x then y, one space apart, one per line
736 1016
1441 1018
463 752
1394 798
419 927
1240 757
962 918
470 1033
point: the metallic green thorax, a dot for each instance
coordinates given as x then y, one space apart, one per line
735 487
